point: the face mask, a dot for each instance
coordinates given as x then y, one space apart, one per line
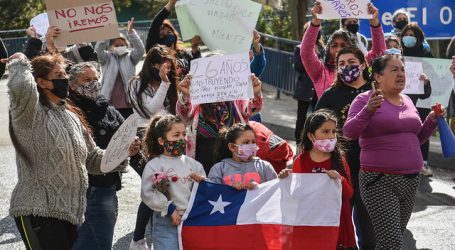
392 51
353 28
349 73
409 41
245 151
400 24
168 40
61 87
89 89
120 50
325 145
175 148
155 74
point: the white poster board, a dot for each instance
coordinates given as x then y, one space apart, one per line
118 149
332 9
222 25
40 23
83 21
413 83
221 78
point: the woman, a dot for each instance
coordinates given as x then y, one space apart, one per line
351 80
97 231
54 152
390 131
412 38
304 88
153 91
118 66
323 74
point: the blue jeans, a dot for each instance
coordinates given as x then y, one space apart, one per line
97 230
165 234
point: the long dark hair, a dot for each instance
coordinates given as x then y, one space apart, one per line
339 34
156 55
226 136
159 126
313 123
359 55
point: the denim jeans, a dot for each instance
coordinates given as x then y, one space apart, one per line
165 234
97 230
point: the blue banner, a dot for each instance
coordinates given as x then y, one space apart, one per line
435 17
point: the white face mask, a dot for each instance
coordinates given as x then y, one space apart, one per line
120 50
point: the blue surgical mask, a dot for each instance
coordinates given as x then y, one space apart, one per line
409 41
392 51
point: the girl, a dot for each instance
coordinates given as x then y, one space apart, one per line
164 147
237 165
322 153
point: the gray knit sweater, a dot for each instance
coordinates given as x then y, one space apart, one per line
58 147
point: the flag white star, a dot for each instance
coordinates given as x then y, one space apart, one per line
219 205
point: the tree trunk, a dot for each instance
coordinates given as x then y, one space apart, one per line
298 9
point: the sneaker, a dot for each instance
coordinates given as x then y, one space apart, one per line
138 245
426 171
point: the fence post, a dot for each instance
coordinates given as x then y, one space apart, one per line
278 92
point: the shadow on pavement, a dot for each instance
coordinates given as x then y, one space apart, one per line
9 227
425 197
123 243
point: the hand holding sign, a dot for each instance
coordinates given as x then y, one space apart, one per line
345 9
315 11
374 12
130 25
184 85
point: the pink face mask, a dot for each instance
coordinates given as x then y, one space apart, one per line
244 151
325 145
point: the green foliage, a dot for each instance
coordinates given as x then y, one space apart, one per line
275 23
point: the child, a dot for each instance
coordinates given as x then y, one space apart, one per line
322 153
237 165
164 147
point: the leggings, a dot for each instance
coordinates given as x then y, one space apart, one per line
389 199
43 233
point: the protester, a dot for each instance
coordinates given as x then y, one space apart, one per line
390 132
400 19
164 148
412 38
207 119
452 69
3 54
237 165
352 80
54 151
118 66
97 231
152 92
352 25
393 45
323 74
304 89
322 152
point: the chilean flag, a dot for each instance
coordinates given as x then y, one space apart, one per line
301 211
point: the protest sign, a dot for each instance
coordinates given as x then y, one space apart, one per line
40 23
82 21
336 9
224 25
221 78
118 148
413 83
440 77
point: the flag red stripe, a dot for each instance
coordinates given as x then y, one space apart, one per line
259 236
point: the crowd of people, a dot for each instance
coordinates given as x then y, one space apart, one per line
353 124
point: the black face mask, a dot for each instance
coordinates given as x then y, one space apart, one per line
400 24
61 87
353 28
155 74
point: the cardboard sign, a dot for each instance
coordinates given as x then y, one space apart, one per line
224 25
413 84
82 21
336 9
221 78
118 148
40 23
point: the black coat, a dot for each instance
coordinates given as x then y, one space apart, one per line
304 89
419 51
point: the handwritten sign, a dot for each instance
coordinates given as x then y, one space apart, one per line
221 78
413 84
225 25
83 21
336 9
117 150
440 77
40 23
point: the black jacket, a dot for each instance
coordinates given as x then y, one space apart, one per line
304 89
3 54
419 51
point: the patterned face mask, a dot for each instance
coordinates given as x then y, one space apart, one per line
349 73
175 148
89 89
245 151
325 145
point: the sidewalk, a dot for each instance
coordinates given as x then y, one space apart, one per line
280 116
